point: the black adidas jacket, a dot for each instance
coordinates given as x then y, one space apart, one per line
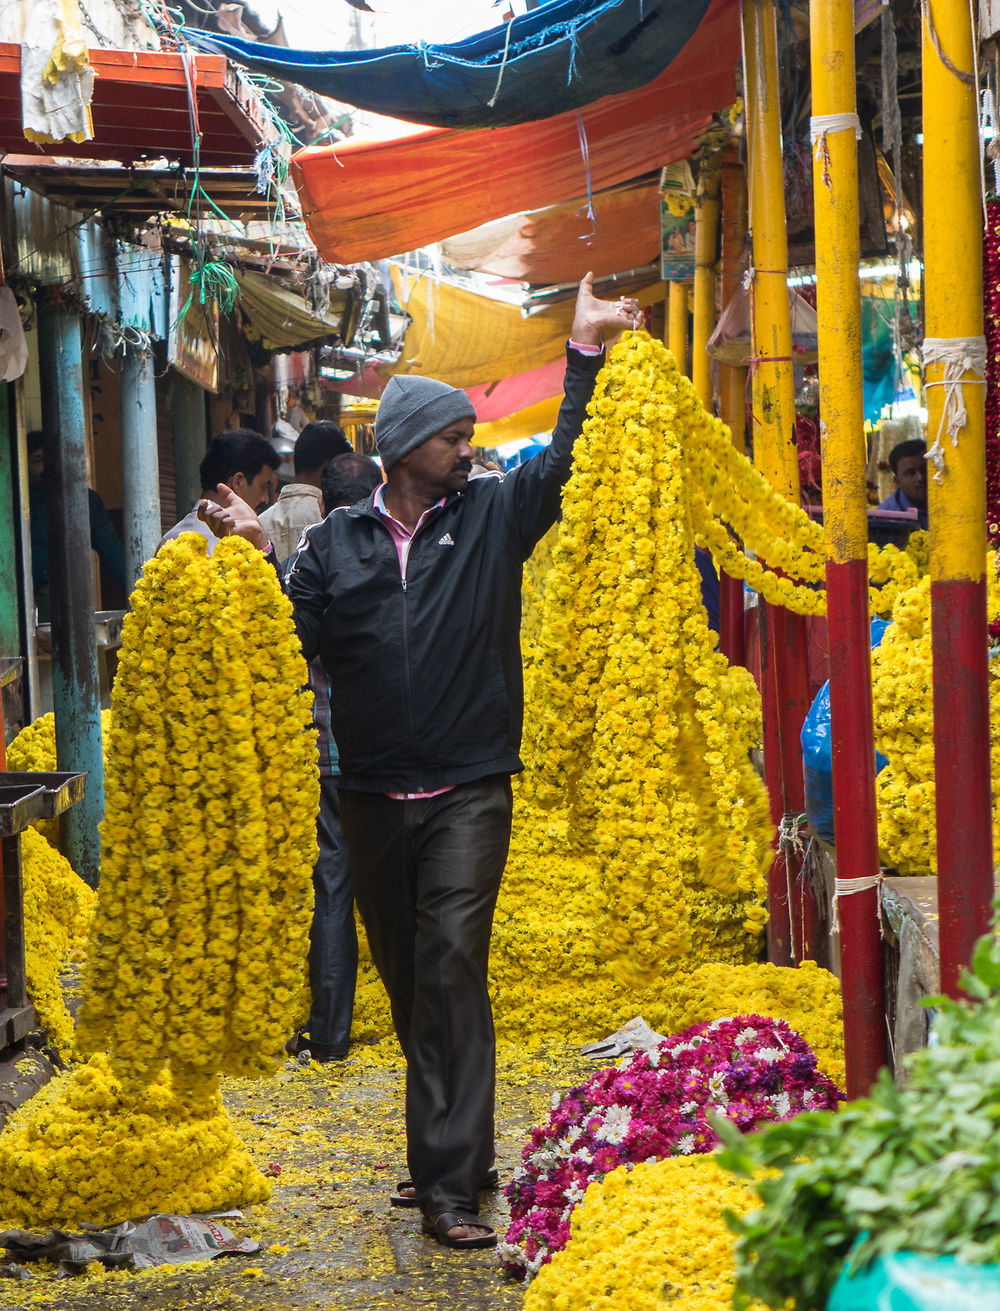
426 675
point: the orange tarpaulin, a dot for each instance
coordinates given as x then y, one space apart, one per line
365 200
551 245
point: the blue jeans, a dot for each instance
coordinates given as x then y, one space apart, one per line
333 938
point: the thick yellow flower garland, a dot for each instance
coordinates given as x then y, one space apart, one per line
84 1149
199 943
904 730
646 1237
637 722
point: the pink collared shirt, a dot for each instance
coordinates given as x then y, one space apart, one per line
402 538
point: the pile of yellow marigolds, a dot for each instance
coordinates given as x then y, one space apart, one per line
196 961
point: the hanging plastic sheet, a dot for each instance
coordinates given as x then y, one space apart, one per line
560 56
366 200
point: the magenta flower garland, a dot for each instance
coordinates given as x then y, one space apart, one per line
749 1068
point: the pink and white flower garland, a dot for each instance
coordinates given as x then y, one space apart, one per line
752 1069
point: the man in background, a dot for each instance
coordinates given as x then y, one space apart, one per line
908 462
103 538
333 938
247 463
297 506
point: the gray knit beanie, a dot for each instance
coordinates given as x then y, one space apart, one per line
413 409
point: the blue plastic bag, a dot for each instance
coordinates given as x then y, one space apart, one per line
817 753
906 1281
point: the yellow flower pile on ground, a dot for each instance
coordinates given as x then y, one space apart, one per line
904 731
808 998
199 944
34 748
648 1237
84 1150
58 907
636 723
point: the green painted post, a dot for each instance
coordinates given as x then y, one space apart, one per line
76 691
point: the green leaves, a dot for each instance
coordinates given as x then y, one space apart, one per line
915 1168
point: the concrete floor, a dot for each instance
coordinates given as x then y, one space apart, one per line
335 1133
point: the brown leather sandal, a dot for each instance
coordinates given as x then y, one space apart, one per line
491 1181
438 1226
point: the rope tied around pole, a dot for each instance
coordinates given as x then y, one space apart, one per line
849 888
958 355
820 127
789 845
968 78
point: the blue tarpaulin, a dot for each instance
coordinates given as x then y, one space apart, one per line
558 57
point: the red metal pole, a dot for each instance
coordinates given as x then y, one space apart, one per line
963 799
954 362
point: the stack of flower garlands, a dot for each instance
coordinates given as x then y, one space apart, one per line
904 730
638 726
749 1069
196 959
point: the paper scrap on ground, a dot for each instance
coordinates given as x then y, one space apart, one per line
160 1240
636 1036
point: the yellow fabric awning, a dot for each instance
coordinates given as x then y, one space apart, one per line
536 418
467 340
279 319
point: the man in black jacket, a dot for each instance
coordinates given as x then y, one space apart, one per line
412 599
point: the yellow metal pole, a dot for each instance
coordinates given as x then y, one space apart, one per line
957 504
706 240
784 663
835 203
677 324
732 381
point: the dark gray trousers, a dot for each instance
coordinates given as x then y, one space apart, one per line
333 939
426 876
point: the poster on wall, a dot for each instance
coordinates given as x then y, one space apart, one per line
676 243
192 343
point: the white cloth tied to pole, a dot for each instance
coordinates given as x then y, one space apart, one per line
849 888
820 126
958 356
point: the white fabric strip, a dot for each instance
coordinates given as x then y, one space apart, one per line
848 888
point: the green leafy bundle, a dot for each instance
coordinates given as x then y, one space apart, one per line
914 1168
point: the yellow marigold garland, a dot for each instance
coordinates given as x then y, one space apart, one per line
199 944
730 496
647 1237
58 907
85 1149
904 730
636 721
